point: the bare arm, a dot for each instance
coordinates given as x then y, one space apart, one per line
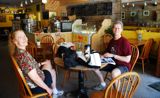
36 78
118 57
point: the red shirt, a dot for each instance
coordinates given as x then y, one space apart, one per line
120 47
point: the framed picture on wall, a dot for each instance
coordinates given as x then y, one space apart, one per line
146 13
123 15
133 13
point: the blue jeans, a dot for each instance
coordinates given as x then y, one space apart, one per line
110 67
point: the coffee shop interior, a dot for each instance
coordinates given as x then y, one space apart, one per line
81 22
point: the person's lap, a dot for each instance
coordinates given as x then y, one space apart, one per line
111 67
47 81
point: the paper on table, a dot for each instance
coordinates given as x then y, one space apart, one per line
108 60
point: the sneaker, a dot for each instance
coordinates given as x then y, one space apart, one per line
99 87
54 96
59 93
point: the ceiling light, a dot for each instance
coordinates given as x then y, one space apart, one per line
26 2
155 2
44 1
21 4
123 5
133 4
31 1
145 3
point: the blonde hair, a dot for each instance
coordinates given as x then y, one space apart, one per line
118 22
11 44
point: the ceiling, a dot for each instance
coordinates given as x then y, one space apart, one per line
15 2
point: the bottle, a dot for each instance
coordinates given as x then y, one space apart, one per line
57 25
139 36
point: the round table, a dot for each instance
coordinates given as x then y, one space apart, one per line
82 92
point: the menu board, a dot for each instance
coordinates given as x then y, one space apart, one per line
91 9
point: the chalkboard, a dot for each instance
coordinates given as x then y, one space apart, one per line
91 9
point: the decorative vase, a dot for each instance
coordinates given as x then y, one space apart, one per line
38 43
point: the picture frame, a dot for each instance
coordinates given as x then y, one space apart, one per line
133 13
123 15
146 13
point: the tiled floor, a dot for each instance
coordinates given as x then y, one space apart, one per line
9 89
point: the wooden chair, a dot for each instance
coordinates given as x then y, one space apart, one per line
31 48
123 86
134 58
24 89
106 39
47 39
158 62
60 40
66 72
55 48
145 52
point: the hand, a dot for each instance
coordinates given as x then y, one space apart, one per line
46 62
49 91
108 55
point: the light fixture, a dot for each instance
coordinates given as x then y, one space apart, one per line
26 2
133 4
145 3
155 2
31 1
21 4
123 6
44 1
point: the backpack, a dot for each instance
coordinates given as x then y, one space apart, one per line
69 56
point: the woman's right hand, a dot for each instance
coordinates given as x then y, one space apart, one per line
49 91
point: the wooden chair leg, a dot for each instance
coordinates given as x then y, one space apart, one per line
66 77
106 77
85 76
143 65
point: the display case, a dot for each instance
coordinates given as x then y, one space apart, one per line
30 25
82 34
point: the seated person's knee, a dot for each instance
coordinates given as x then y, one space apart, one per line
116 72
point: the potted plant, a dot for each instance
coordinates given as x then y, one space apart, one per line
38 41
109 31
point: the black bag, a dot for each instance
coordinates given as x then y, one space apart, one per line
69 56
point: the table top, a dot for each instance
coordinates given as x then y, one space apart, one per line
136 42
60 63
